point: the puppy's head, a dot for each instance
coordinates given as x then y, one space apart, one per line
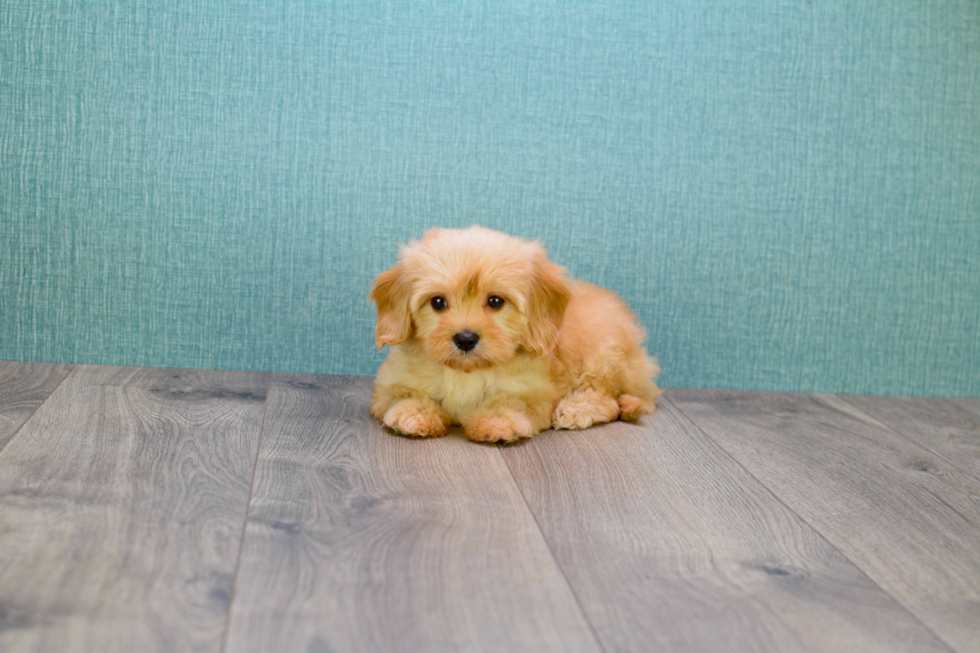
472 297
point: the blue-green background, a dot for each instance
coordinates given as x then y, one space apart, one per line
788 193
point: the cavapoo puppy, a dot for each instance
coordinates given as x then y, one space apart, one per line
488 333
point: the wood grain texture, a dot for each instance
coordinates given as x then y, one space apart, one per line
361 540
121 507
971 404
23 386
904 515
670 545
939 425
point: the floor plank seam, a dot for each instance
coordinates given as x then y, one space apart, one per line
71 370
551 552
248 507
816 530
913 441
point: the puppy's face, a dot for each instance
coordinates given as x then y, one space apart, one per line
472 298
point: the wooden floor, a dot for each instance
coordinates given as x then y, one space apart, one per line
188 510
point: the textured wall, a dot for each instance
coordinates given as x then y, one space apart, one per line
787 192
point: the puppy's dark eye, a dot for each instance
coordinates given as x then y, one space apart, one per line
438 303
496 303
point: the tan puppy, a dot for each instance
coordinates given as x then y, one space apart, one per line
486 332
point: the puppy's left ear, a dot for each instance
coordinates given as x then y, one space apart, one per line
546 306
394 320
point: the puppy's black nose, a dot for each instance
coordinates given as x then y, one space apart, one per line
466 340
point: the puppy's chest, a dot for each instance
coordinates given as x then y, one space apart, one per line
461 392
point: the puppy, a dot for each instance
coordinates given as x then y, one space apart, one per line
487 333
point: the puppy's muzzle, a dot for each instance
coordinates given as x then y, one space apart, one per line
466 340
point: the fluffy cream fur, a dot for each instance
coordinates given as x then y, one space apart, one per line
558 353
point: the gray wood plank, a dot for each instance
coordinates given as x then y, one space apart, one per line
361 540
971 404
23 387
122 503
670 545
905 516
939 425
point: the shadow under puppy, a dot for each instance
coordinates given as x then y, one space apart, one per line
488 333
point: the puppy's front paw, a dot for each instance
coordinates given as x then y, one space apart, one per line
409 417
505 426
580 409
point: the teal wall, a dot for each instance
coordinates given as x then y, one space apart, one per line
788 193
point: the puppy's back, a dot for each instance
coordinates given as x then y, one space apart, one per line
601 344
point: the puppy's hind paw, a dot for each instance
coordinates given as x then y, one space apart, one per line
409 418
631 407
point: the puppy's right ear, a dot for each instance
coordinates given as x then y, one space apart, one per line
390 294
